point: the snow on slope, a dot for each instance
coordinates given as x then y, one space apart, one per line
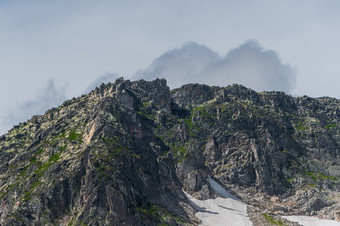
227 211
230 211
311 221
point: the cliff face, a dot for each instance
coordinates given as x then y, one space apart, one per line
93 160
275 151
122 154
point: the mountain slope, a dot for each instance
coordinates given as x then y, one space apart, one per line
263 145
91 161
123 153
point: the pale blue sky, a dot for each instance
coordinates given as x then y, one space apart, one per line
63 46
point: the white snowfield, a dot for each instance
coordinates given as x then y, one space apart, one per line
311 221
230 211
227 211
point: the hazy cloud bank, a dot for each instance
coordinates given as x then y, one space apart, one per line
106 78
249 64
46 98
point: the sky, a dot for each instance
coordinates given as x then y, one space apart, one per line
51 51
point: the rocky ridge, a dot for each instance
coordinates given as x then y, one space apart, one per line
122 154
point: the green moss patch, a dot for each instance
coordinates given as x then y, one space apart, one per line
330 126
163 216
272 220
319 176
300 126
74 136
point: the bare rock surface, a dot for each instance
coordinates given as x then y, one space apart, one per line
122 154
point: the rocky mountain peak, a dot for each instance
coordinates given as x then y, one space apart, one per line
124 153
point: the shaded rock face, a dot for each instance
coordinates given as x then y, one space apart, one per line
94 160
122 154
256 144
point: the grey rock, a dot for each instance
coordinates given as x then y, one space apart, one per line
122 154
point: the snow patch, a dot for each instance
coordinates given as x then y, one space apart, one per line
220 190
230 211
312 221
227 211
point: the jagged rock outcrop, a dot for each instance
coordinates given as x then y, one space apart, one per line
94 160
122 154
265 144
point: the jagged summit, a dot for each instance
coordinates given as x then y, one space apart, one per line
123 153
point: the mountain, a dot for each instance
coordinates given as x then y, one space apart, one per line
125 153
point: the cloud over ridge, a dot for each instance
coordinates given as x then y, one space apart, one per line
105 78
249 64
46 98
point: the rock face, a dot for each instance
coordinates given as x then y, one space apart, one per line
122 154
94 160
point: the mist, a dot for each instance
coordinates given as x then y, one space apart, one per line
106 78
45 98
249 64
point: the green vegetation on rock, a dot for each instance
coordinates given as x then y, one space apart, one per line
121 154
272 220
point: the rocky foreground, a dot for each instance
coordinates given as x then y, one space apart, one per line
124 153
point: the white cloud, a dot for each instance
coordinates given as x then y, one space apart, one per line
181 65
249 64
